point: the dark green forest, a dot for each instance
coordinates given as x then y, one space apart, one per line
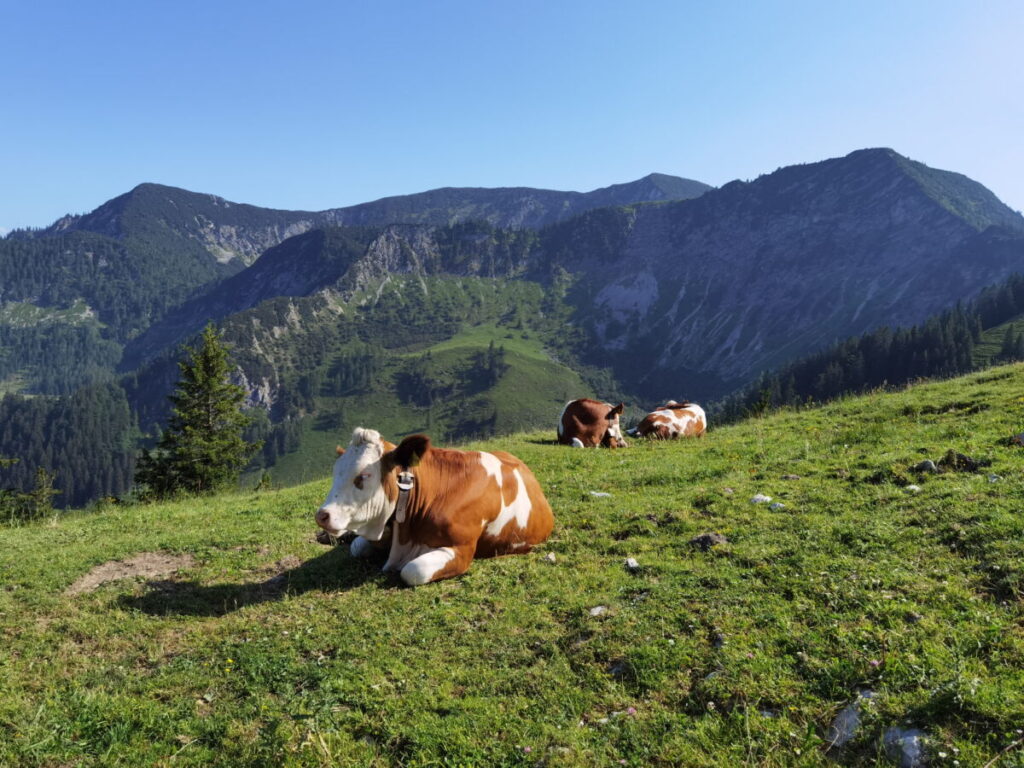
87 440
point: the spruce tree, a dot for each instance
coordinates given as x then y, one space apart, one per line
203 449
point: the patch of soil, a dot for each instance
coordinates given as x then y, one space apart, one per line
145 564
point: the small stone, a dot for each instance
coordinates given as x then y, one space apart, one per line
632 565
905 746
599 610
925 466
791 477
550 557
776 506
617 669
994 478
844 726
913 488
600 495
728 491
706 541
760 498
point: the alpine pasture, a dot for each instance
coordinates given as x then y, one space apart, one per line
222 634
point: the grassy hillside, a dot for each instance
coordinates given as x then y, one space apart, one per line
529 393
991 341
261 647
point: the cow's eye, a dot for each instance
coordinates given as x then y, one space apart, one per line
360 479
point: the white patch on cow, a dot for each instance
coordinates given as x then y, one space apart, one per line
577 443
562 416
363 510
424 568
402 554
518 509
361 547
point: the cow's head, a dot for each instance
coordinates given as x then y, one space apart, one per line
613 434
364 491
358 501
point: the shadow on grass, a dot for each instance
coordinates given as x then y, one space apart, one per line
335 570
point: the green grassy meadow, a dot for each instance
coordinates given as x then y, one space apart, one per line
264 648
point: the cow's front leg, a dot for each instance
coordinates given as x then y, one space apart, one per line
436 564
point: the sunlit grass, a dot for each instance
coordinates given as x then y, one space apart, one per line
274 650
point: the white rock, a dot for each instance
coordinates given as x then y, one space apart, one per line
760 499
600 495
914 488
550 557
599 610
632 565
777 506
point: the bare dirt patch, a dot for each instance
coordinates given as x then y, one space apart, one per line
144 564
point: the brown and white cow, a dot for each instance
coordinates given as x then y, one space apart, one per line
672 420
586 423
462 504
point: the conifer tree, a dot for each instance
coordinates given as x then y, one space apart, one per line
203 449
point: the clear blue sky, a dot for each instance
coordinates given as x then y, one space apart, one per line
311 105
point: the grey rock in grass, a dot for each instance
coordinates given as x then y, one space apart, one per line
906 746
846 723
600 495
599 610
706 541
925 466
760 498
632 565
775 507
550 557
791 477
994 478
912 488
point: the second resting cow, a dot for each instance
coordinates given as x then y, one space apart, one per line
672 420
589 423
437 509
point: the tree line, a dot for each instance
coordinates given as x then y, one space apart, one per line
942 346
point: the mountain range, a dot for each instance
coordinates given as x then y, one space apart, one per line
387 311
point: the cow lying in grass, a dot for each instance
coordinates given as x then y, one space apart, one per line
436 508
672 420
589 423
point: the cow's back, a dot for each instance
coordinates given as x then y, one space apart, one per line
673 421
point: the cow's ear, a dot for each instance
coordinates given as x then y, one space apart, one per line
409 452
616 411
339 450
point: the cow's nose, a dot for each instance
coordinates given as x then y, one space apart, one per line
322 516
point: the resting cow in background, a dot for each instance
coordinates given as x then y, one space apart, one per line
589 423
672 420
439 508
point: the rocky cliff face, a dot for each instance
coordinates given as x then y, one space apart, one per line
704 294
